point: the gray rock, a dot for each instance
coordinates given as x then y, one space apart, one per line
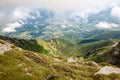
107 70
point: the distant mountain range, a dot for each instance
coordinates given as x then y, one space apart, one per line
45 24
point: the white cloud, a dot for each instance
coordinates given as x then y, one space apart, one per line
63 26
84 14
20 13
80 8
116 12
106 25
11 27
114 25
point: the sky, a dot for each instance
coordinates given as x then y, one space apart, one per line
13 10
59 4
80 7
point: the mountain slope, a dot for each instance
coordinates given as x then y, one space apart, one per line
107 35
31 45
113 55
19 64
109 54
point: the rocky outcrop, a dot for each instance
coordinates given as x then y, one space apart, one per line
5 46
56 60
107 70
71 60
113 55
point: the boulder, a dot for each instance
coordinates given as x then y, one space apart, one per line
91 63
71 60
107 70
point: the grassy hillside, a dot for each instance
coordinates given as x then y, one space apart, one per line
65 47
88 48
60 46
109 54
98 55
107 35
31 45
25 65
21 64
101 36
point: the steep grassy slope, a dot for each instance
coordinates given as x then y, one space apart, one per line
58 46
98 55
31 45
107 35
88 48
109 54
65 47
73 49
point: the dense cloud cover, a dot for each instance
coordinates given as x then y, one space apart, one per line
11 11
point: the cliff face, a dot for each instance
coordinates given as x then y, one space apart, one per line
113 56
